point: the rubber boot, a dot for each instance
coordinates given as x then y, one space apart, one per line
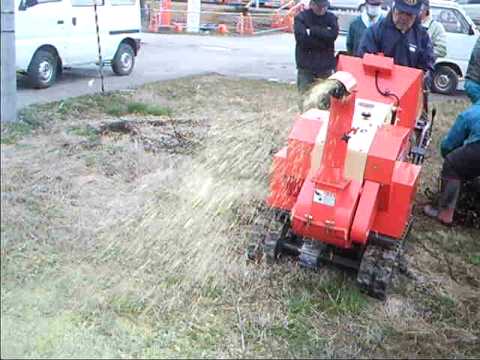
448 200
431 210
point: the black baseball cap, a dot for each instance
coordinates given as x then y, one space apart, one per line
322 3
409 6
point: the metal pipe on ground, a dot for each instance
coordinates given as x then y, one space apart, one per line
261 32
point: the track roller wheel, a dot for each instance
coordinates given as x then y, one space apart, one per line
257 239
310 255
376 269
272 247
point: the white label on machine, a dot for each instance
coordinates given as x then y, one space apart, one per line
324 197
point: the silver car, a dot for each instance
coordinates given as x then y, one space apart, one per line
472 8
461 37
347 4
356 4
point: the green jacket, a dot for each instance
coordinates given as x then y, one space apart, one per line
356 30
473 70
438 36
355 33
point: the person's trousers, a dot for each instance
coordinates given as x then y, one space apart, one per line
463 163
306 78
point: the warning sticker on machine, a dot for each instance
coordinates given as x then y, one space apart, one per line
324 197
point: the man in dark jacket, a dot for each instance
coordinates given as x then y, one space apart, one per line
400 35
460 148
371 14
315 32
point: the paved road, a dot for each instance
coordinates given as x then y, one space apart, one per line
170 56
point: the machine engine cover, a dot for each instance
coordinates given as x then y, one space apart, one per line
326 213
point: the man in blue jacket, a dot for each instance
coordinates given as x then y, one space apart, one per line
315 32
460 149
371 14
401 35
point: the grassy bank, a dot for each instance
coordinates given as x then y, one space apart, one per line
129 241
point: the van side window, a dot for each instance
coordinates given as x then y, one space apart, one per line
451 19
25 4
87 2
123 2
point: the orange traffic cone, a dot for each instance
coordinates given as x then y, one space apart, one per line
248 24
165 12
177 27
222 29
154 23
289 23
277 21
245 24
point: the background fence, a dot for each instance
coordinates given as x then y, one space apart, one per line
232 18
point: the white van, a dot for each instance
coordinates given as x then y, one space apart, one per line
55 34
461 37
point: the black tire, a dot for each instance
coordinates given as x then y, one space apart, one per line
43 69
445 80
124 60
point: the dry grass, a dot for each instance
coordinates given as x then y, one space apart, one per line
110 249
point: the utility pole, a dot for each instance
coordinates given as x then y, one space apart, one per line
193 15
7 63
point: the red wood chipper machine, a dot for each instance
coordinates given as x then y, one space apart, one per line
342 191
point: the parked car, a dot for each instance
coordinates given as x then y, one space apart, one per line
461 37
472 8
355 4
55 34
347 4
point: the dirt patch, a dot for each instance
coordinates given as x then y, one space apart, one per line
138 251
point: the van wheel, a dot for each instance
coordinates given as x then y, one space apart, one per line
445 80
43 69
124 60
